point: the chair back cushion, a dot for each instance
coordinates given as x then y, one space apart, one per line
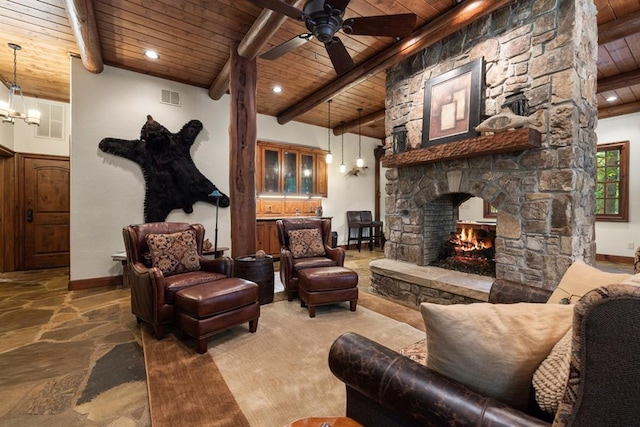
306 242
287 225
174 253
136 244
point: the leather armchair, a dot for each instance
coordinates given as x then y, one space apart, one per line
289 266
153 294
387 389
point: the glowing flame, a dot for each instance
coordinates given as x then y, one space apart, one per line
469 241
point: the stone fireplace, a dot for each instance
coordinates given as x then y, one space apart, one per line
540 181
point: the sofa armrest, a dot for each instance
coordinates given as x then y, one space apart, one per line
411 393
222 265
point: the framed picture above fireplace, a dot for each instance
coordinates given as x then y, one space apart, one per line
452 104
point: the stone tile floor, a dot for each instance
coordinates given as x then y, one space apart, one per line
68 358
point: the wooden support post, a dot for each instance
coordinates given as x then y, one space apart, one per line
242 153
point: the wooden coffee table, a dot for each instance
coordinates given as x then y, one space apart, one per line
325 422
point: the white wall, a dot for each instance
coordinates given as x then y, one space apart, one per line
612 238
107 192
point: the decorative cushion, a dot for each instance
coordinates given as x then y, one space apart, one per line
305 243
579 279
550 379
174 253
633 280
493 349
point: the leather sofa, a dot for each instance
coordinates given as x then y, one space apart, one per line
153 294
289 266
387 389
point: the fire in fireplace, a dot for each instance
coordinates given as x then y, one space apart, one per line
470 249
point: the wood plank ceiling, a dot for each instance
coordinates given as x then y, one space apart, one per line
193 38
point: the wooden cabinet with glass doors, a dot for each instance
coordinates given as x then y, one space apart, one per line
290 170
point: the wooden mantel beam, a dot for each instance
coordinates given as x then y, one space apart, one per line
434 31
353 125
619 28
264 27
83 23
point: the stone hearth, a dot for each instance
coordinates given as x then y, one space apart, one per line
413 284
544 194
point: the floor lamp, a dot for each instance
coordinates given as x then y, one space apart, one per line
217 195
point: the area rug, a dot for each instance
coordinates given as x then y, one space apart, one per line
281 373
187 389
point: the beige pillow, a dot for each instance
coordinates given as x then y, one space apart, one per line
493 349
174 253
305 243
579 279
550 379
633 280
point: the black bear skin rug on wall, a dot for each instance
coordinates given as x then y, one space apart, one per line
171 178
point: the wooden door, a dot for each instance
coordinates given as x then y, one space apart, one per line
45 212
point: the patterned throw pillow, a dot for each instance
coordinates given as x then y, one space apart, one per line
306 243
174 253
550 379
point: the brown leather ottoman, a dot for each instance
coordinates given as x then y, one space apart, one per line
327 285
206 309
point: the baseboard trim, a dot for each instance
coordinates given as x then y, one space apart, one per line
96 282
615 258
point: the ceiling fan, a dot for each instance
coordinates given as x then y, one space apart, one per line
324 18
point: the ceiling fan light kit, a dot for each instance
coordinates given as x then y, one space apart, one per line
8 109
325 18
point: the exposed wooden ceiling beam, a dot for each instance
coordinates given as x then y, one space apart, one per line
264 27
83 23
618 110
619 28
434 31
619 81
353 125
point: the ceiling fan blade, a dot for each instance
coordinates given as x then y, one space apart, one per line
339 56
280 7
390 25
285 47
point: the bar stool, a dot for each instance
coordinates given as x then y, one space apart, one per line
356 225
375 229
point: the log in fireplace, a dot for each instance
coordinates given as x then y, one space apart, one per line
470 249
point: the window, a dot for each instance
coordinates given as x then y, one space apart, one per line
612 183
489 211
51 121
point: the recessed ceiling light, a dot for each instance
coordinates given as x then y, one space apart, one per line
151 54
277 89
612 98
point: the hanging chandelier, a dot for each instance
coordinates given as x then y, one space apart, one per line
359 160
343 168
8 110
329 157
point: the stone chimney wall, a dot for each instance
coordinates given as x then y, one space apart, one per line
546 49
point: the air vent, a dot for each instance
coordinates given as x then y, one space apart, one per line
170 97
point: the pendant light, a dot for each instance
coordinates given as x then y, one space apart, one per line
343 168
359 160
8 111
329 157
